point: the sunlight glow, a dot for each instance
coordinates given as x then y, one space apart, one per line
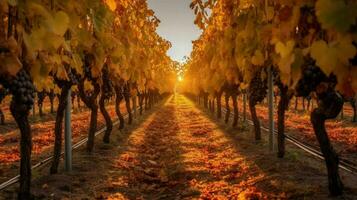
180 78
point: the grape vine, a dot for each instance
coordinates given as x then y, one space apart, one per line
309 44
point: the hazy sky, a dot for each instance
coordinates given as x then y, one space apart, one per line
176 25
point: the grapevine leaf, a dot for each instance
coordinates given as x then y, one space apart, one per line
345 50
344 82
258 58
39 72
329 57
284 49
335 14
88 87
287 58
66 59
325 57
37 9
270 13
111 4
9 64
60 23
85 38
77 63
61 73
34 41
56 59
12 2
53 41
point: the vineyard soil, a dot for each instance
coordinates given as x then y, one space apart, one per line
178 152
342 133
43 139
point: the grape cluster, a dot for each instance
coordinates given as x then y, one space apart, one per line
311 77
72 78
258 88
73 95
22 89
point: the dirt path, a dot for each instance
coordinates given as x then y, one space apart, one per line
179 153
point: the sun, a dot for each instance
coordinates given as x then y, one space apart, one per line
179 78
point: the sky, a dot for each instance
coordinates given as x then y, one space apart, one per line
176 25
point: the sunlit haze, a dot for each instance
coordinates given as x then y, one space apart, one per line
176 25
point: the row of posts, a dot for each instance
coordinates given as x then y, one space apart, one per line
68 135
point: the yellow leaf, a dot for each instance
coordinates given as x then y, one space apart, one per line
56 59
88 86
324 56
34 41
52 41
95 71
345 50
60 23
61 73
9 64
270 13
111 4
285 49
258 58
287 58
37 9
77 63
39 73
66 59
329 57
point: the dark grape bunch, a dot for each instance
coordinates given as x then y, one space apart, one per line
88 60
311 77
258 88
72 78
73 95
22 89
